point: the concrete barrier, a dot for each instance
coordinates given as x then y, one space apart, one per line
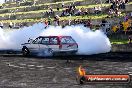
121 48
129 8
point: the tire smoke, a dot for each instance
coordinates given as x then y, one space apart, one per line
89 42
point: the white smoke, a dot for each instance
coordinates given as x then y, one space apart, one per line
89 42
2 1
12 38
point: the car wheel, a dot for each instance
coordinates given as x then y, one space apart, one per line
25 51
50 52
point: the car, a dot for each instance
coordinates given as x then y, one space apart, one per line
50 45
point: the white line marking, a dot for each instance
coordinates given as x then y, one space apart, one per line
40 66
50 67
31 65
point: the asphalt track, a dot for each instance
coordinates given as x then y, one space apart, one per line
17 71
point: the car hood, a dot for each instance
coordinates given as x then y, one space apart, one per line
25 43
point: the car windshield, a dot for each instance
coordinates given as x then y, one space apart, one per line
67 40
37 41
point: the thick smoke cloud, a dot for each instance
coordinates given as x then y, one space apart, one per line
12 39
89 42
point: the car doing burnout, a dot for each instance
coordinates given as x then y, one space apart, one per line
51 45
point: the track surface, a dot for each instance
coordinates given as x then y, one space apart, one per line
43 72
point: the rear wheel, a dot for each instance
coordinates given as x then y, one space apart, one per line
50 52
25 51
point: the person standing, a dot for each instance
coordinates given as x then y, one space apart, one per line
129 39
49 20
63 4
10 25
1 25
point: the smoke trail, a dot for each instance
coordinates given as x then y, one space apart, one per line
89 42
12 39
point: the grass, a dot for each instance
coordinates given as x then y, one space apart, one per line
61 2
93 17
13 8
94 5
88 6
129 2
100 16
61 18
13 3
119 41
40 11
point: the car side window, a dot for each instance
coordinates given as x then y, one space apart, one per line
66 40
63 41
53 40
37 41
45 41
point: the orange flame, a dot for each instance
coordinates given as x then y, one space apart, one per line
81 71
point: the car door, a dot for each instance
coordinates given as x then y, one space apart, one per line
54 44
68 43
35 45
44 43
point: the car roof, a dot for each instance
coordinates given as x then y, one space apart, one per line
54 36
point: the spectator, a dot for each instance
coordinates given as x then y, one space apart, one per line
69 22
105 26
86 11
89 24
125 26
46 23
118 5
63 4
115 28
126 1
108 1
97 9
56 20
63 13
21 25
1 25
82 11
49 20
114 5
129 39
58 8
50 10
78 12
131 14
111 12
123 5
121 26
117 13
11 25
103 23
126 18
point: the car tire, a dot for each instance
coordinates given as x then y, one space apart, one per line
50 52
25 51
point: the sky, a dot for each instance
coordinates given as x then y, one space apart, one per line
1 1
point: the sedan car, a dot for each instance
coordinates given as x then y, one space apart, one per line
51 45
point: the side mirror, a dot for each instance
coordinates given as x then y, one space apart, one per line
30 40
